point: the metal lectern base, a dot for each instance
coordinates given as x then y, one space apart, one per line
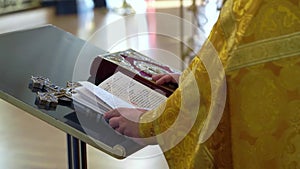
77 158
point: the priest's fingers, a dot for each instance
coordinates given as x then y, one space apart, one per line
120 130
114 122
164 79
156 77
128 133
112 113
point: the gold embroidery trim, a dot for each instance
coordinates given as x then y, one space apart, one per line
227 19
264 51
210 157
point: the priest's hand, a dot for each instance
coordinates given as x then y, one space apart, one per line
166 78
125 120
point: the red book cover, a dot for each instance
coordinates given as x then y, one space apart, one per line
133 64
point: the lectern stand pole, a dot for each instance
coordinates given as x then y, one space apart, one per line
77 158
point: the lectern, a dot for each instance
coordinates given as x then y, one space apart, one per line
51 52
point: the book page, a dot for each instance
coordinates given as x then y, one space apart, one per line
132 91
85 97
93 96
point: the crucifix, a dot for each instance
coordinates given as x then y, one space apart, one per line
50 95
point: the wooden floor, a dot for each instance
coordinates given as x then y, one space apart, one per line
29 143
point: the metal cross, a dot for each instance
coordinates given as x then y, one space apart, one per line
50 95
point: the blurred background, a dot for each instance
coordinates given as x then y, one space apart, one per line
83 18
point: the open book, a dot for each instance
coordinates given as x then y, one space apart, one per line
117 91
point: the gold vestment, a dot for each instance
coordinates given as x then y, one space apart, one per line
258 43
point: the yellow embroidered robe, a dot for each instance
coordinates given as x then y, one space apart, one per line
258 43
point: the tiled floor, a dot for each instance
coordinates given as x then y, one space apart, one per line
26 142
